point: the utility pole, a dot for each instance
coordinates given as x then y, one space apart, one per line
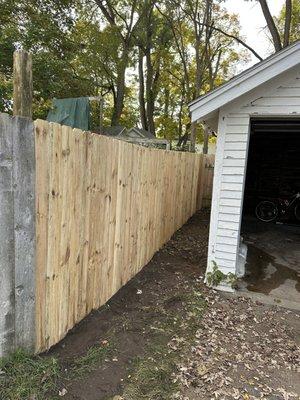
22 83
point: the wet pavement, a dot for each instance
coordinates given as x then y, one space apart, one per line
273 261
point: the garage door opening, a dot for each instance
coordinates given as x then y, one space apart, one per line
271 211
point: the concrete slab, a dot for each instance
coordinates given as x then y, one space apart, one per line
273 263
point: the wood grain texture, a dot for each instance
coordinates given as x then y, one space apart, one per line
104 207
17 234
22 82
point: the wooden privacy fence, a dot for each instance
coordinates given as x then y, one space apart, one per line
206 181
103 208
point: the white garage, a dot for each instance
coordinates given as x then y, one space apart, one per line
267 94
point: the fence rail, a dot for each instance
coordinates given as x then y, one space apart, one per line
103 207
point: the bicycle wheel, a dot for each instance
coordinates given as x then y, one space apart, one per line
297 212
266 211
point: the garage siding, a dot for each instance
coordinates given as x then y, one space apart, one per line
277 98
284 99
231 191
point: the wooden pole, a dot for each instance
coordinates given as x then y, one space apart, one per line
22 81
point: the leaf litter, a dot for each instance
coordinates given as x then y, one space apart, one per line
242 350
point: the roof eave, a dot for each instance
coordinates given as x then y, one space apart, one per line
246 81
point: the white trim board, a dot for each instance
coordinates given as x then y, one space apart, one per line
245 82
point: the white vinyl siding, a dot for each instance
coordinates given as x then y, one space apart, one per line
280 97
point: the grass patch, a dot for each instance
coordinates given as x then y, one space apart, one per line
87 363
152 378
26 377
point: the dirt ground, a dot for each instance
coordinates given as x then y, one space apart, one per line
165 335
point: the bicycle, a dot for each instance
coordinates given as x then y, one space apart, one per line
270 210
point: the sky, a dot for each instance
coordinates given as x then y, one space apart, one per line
252 22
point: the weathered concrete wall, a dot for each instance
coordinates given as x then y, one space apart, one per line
17 234
7 298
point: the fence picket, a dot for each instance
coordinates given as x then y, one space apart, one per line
103 208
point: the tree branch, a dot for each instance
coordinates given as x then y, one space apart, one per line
240 41
108 15
271 24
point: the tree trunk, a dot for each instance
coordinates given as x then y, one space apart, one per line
142 91
271 25
205 140
197 91
121 85
200 51
287 25
193 137
150 93
180 120
167 101
198 66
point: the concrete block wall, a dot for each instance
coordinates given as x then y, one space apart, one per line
17 234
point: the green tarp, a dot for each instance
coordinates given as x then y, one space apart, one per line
71 112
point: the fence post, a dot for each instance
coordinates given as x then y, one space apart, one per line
22 82
17 234
7 299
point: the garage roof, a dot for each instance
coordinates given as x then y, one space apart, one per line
208 105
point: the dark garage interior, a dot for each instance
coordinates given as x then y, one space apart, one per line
273 176
273 169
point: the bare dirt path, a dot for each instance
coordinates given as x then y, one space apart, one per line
165 335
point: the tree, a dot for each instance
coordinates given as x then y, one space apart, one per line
43 29
73 55
121 16
279 41
149 58
7 33
295 22
201 50
153 40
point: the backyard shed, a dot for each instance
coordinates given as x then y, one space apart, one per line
262 102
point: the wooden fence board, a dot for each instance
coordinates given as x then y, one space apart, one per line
42 139
104 207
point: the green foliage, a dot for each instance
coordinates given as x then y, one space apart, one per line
6 89
76 52
215 277
295 24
